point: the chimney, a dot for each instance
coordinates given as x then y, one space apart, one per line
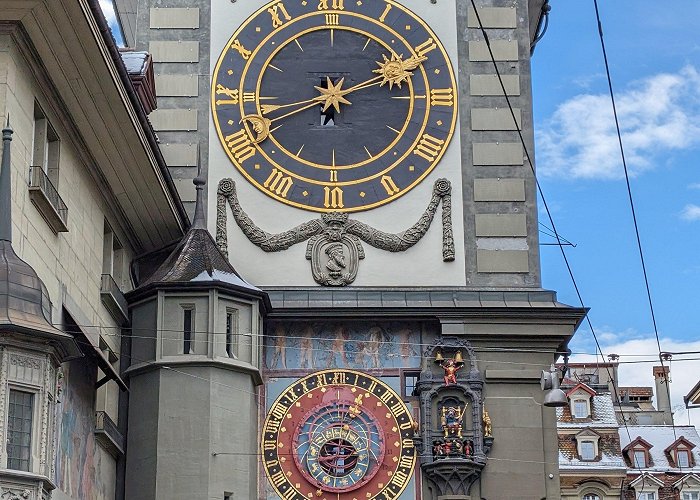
662 379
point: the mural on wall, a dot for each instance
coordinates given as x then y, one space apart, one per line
357 345
79 464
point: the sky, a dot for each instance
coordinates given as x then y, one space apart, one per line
654 56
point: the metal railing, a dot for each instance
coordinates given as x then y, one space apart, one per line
39 179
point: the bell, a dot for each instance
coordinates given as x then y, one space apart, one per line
438 357
458 357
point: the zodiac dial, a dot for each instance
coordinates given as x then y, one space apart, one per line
340 434
334 105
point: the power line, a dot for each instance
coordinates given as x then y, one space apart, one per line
544 201
631 202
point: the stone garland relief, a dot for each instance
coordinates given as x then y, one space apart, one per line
334 247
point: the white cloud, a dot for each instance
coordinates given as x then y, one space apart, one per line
684 374
108 10
657 115
691 212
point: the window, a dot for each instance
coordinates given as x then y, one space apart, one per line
647 495
45 150
587 450
640 459
580 408
691 495
590 496
231 327
19 430
113 256
187 329
410 379
682 458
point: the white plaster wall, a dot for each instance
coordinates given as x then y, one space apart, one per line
72 259
379 268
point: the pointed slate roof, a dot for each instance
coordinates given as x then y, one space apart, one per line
24 300
197 259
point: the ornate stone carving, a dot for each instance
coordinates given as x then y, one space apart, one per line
24 361
16 494
334 247
453 440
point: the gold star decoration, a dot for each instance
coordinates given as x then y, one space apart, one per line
395 71
332 95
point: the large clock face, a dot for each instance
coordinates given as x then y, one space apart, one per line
334 105
338 434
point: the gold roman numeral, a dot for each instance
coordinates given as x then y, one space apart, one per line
389 184
425 47
441 97
289 494
269 445
275 12
333 198
232 95
332 19
278 411
236 45
407 443
338 378
406 425
248 96
406 462
428 147
399 478
334 176
272 426
398 408
240 146
335 4
384 14
278 478
278 183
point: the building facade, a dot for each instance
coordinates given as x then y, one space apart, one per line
84 190
364 170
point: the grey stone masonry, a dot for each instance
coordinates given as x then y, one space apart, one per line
499 192
176 32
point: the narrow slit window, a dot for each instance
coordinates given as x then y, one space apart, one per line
187 330
19 430
230 332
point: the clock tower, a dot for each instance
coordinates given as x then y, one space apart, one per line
366 174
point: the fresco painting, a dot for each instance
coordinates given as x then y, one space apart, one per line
78 465
358 345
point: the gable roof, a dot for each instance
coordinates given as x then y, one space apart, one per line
582 386
662 437
636 441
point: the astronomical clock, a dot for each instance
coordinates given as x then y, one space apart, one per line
338 434
334 105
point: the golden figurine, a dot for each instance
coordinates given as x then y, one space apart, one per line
487 423
450 366
451 420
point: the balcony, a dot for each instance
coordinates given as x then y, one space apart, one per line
108 435
113 299
47 200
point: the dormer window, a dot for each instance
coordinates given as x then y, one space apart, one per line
581 408
580 401
682 458
587 445
640 459
680 453
637 453
587 450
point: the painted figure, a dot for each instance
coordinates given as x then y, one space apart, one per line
451 420
306 348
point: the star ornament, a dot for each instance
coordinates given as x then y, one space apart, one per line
332 95
395 71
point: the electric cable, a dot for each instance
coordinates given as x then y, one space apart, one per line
546 206
631 202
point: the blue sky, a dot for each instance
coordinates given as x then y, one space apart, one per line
654 56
